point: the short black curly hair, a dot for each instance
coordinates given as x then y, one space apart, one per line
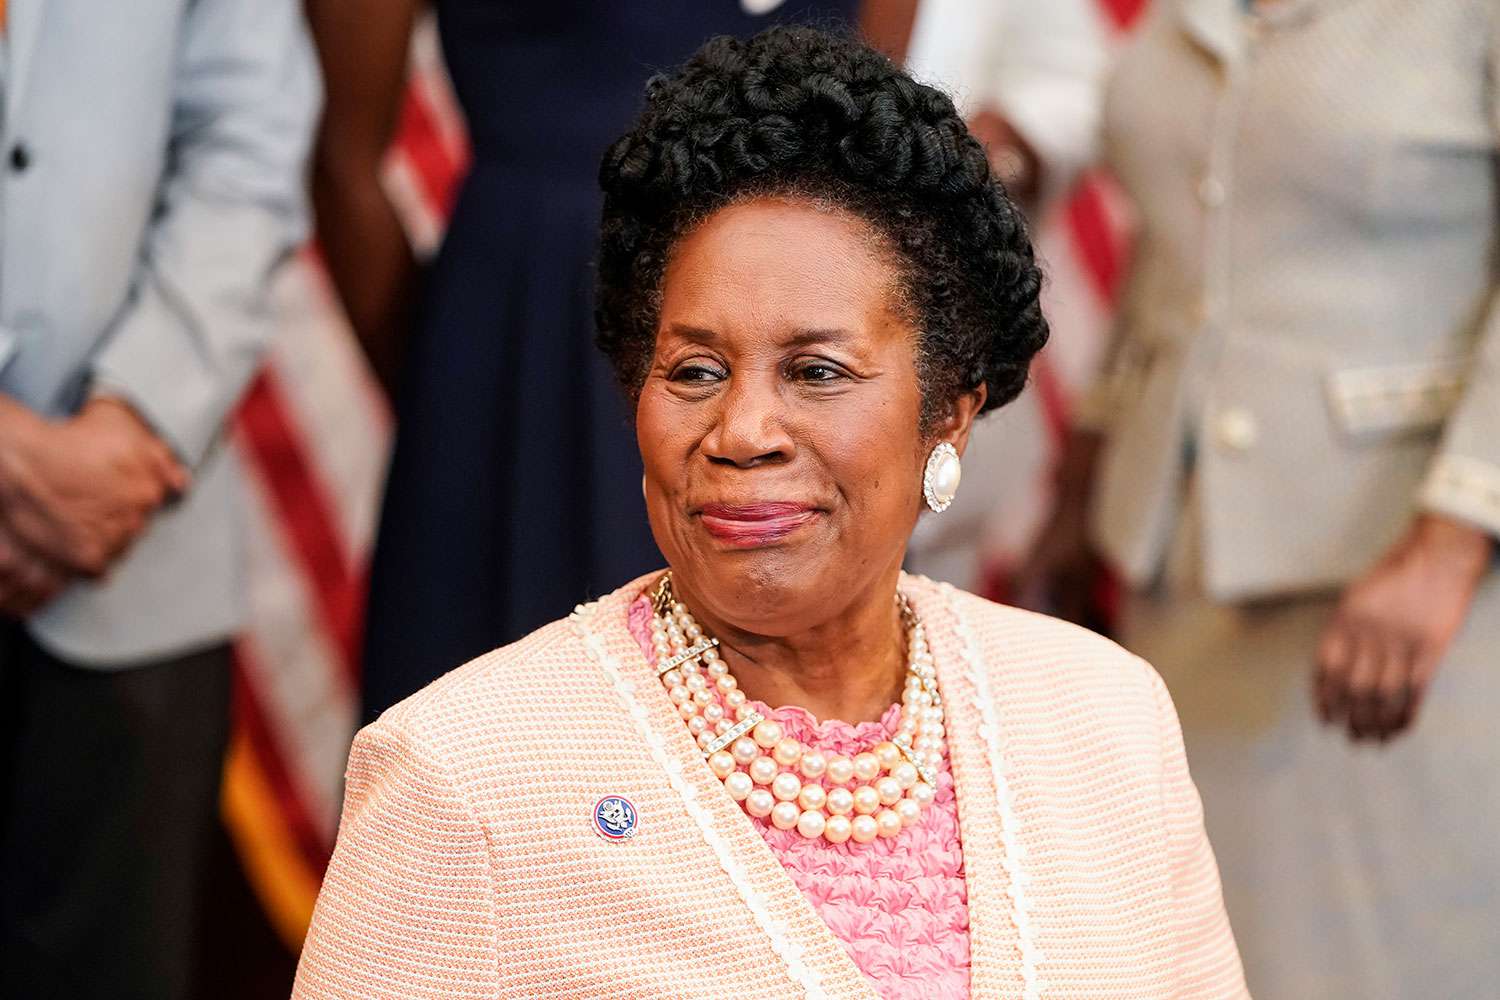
807 113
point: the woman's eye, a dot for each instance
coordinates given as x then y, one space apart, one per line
697 373
818 371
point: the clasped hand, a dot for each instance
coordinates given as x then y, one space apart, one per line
1394 625
74 494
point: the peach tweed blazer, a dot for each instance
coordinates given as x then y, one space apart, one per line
467 865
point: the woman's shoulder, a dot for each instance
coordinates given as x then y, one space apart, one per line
1035 662
545 683
476 697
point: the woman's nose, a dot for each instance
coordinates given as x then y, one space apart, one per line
750 428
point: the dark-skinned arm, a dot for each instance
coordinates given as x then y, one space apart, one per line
362 46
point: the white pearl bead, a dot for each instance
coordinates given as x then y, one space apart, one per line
812 797
811 824
759 803
887 823
905 775
706 739
889 790
786 786
763 770
908 810
721 764
703 698
723 726
693 631
739 785
888 755
864 829
784 815
787 752
726 683
840 801
718 670
672 678
840 770
866 799
687 709
767 733
837 829
735 699
866 766
680 694
713 713
695 682
697 724
744 750
923 793
814 764
742 711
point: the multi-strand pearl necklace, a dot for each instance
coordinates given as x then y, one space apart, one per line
872 794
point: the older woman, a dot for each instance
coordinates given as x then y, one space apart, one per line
811 286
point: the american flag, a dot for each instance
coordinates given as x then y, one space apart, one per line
314 433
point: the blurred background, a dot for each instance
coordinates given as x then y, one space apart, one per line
431 359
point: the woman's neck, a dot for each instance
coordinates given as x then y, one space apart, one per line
851 668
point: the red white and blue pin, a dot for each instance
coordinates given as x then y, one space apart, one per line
615 818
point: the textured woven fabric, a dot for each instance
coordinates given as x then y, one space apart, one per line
899 907
467 864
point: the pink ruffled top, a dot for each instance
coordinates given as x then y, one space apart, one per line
899 906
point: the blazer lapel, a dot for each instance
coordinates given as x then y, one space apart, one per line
765 880
994 939
23 28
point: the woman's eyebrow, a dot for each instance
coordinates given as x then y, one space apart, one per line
799 337
696 334
810 336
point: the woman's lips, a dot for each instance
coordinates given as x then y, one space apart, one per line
754 524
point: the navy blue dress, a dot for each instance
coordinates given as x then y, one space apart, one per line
514 492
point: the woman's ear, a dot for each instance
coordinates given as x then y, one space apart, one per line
955 427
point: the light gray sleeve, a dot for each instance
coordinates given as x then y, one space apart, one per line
1464 480
231 206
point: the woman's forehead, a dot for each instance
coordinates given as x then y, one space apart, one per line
803 270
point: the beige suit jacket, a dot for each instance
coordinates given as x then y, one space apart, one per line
1311 312
467 865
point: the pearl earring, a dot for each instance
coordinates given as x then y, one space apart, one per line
940 478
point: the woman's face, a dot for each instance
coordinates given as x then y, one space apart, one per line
779 422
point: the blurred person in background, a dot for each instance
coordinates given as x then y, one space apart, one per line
513 445
1295 461
1028 76
153 160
